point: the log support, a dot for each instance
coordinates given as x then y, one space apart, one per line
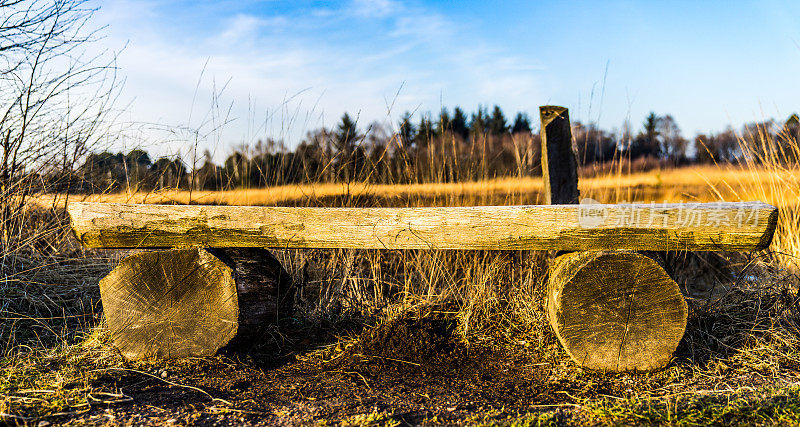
192 302
615 310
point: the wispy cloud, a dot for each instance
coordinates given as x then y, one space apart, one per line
352 58
376 8
288 67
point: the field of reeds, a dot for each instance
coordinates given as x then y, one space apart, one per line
692 183
415 337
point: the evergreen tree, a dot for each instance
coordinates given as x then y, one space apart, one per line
647 142
407 130
346 135
445 123
207 177
792 129
170 172
651 132
479 122
137 165
424 131
312 156
358 163
522 124
104 170
346 140
497 123
138 157
104 161
459 123
236 169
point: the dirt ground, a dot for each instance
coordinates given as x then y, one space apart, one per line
412 370
739 362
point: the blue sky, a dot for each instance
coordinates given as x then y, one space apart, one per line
281 68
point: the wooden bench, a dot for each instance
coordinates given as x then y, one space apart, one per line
611 303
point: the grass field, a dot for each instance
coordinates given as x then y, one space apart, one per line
698 183
394 338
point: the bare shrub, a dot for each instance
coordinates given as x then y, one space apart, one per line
57 95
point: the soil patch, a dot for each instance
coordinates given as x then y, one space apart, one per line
413 369
426 339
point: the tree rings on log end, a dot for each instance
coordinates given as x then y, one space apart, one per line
170 304
615 310
192 302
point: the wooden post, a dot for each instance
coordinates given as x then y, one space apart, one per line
191 302
611 310
559 164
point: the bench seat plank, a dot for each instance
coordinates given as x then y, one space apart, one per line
724 226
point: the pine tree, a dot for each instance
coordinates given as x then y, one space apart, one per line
790 138
497 123
346 139
647 142
459 123
479 122
406 131
793 120
138 157
424 131
522 124
346 135
445 123
137 163
792 127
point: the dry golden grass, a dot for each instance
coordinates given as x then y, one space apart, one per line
696 183
296 193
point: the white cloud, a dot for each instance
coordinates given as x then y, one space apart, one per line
423 27
375 8
264 61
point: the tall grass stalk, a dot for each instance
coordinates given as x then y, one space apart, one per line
773 160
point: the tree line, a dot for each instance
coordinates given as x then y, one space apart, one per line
448 148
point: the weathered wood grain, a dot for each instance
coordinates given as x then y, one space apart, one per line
191 302
599 303
660 227
559 160
559 163
615 311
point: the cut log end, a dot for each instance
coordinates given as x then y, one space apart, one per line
191 302
615 311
